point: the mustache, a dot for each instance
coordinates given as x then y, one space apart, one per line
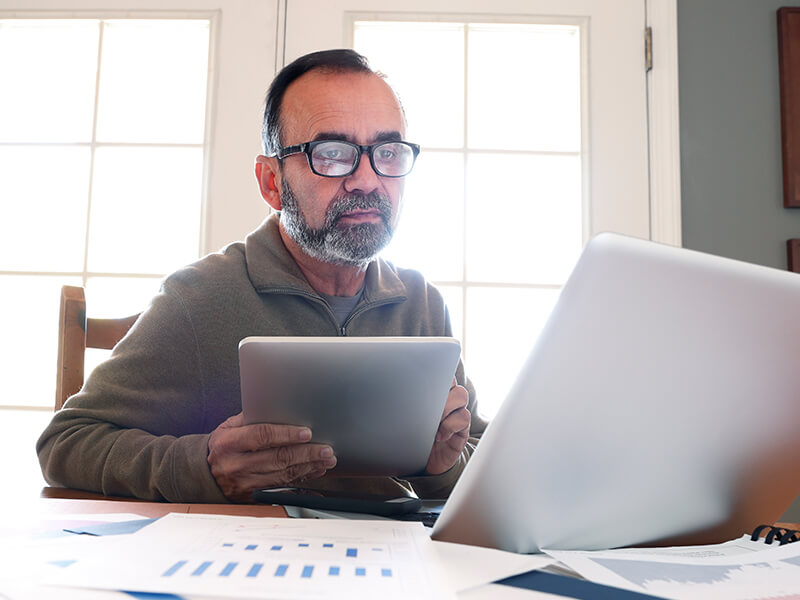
350 202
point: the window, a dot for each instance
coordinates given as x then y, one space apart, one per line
102 151
488 183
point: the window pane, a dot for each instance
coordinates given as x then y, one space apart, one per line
524 87
523 217
430 235
502 327
145 215
454 298
29 330
153 81
48 71
432 91
115 297
44 191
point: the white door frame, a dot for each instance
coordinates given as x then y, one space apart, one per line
664 123
663 117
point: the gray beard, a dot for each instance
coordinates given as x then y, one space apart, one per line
350 245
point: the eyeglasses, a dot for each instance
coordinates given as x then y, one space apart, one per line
329 158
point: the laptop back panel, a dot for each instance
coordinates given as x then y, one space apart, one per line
662 399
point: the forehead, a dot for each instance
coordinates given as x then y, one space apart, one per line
356 106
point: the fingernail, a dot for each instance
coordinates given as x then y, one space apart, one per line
305 434
326 452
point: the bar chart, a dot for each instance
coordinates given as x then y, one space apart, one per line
241 557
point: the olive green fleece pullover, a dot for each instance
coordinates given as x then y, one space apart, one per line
140 425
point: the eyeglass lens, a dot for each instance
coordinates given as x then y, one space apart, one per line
336 159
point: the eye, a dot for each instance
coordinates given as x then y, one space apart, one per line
386 153
331 153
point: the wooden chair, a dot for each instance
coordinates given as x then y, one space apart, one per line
75 334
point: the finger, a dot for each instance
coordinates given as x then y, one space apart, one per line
244 485
243 471
457 398
456 422
273 460
268 435
236 420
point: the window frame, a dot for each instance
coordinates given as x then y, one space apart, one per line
241 63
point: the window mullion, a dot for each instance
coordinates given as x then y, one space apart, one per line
93 148
464 332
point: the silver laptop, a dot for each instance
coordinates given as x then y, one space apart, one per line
660 404
377 400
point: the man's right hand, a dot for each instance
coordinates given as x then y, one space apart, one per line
244 458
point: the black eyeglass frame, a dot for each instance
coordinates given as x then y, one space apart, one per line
307 147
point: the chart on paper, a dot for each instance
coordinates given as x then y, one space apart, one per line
241 557
767 572
290 560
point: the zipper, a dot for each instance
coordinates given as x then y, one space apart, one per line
341 330
364 308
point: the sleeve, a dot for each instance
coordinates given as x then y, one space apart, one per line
137 426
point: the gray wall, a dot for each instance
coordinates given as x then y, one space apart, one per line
731 183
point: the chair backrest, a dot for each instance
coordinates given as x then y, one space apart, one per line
75 334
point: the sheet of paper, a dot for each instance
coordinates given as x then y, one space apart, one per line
738 569
467 567
242 557
26 527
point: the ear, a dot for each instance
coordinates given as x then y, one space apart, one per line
266 169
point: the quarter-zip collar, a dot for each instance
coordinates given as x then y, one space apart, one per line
272 269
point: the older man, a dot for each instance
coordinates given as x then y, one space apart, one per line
161 419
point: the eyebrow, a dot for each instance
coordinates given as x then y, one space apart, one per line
381 136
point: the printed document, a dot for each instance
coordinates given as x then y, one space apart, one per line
738 570
248 557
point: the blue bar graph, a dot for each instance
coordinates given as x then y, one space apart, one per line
174 568
201 569
300 562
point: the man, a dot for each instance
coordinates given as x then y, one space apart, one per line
161 419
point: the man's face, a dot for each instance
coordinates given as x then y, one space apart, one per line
343 220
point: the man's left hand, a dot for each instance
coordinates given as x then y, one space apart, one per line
453 432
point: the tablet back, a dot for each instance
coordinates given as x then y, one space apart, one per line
662 399
377 401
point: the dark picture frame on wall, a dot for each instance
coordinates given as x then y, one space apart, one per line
793 254
789 69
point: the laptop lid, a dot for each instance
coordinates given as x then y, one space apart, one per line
376 400
662 399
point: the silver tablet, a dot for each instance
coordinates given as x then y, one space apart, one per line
377 400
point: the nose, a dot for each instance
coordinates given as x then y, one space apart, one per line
364 179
